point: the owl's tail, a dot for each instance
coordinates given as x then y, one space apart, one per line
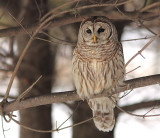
103 113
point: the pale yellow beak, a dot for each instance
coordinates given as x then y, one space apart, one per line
94 39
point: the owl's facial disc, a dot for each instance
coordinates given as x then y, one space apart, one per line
102 32
95 33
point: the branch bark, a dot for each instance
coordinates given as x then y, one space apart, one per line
13 31
71 95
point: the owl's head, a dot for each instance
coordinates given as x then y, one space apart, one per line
96 30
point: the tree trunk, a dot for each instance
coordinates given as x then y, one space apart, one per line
37 61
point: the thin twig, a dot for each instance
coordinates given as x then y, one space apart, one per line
57 128
49 131
39 11
137 39
10 114
143 116
27 90
150 110
32 129
147 27
156 4
17 65
3 127
133 70
125 94
55 9
57 40
11 97
19 24
145 46
11 42
123 14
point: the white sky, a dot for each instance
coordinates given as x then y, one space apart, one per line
127 126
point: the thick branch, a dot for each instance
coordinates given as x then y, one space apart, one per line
71 95
13 31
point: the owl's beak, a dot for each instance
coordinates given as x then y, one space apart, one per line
94 39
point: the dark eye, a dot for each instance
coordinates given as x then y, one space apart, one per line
100 30
88 31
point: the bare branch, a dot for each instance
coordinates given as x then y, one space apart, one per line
49 131
150 6
144 47
27 90
137 106
137 115
137 39
72 96
13 31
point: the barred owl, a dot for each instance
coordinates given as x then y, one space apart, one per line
98 65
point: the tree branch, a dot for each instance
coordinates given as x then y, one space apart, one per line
71 95
137 106
13 31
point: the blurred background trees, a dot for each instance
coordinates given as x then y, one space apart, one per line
50 55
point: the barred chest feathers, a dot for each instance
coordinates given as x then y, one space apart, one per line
94 76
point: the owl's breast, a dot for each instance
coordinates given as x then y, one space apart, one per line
94 64
98 70
93 76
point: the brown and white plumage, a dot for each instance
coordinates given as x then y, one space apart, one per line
98 65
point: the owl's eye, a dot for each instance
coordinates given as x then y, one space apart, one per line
88 31
100 30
